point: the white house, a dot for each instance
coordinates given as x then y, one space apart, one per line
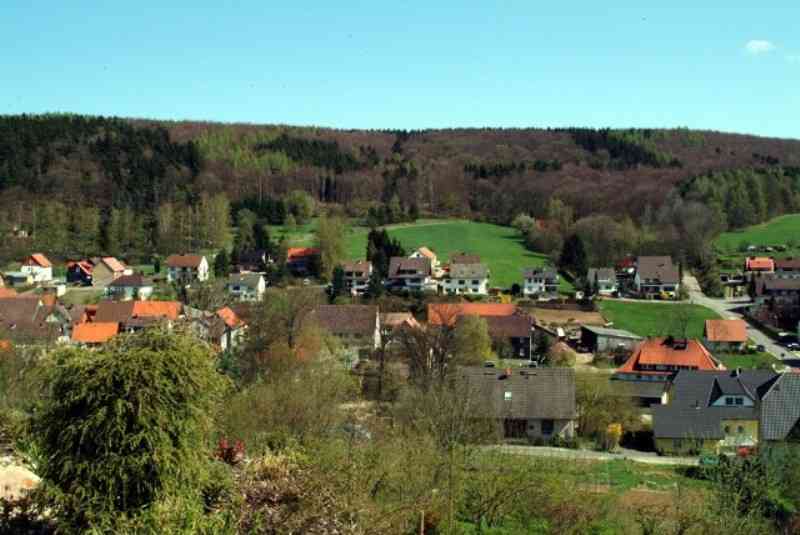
542 282
187 268
656 274
39 268
472 279
413 274
130 287
246 286
603 279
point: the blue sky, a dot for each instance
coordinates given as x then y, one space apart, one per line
402 64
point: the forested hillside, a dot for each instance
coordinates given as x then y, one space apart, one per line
142 166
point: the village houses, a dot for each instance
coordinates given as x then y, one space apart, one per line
187 268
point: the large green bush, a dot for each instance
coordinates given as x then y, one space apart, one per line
126 427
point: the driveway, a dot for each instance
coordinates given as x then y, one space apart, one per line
731 309
589 455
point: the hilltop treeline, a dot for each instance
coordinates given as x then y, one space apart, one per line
487 174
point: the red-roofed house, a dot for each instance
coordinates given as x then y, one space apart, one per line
80 272
39 267
94 333
448 313
759 264
725 335
656 360
299 260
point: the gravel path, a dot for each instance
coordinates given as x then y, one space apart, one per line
588 455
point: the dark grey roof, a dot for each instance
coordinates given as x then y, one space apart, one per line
611 333
419 267
250 280
359 267
602 274
689 413
546 272
469 271
639 389
780 408
534 392
658 268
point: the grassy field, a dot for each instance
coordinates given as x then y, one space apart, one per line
657 319
500 247
778 231
747 361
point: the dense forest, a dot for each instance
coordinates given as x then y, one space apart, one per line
159 176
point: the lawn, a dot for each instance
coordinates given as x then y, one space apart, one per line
657 319
762 361
500 247
778 231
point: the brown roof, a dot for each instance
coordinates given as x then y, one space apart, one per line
516 326
358 266
347 319
787 264
126 311
465 258
394 320
184 260
38 259
441 313
658 268
25 316
726 330
94 333
419 267
129 281
114 311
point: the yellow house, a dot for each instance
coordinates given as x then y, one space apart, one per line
715 411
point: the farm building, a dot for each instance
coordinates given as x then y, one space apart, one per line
602 339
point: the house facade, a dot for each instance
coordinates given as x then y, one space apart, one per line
787 268
410 274
607 340
356 326
603 280
129 287
528 403
38 267
246 286
356 276
469 279
80 272
656 275
300 260
186 269
424 252
540 282
716 411
773 291
512 335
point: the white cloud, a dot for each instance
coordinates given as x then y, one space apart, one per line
759 46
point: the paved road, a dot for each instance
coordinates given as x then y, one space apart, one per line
731 309
588 455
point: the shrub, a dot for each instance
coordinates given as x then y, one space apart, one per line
125 427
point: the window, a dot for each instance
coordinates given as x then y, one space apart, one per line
728 401
739 401
507 396
676 443
727 430
475 281
547 427
740 429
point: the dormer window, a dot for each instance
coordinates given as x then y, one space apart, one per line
507 396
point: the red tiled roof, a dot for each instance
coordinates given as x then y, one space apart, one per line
94 333
759 263
39 259
167 309
441 313
7 293
660 351
229 317
113 264
726 330
294 253
85 266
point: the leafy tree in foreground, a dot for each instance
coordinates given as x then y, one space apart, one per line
126 427
222 265
573 256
